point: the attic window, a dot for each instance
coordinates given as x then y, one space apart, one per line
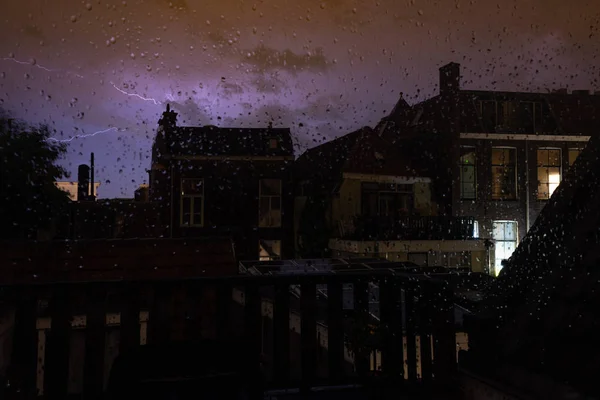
273 143
415 121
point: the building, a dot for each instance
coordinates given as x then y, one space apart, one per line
72 188
225 181
499 156
361 195
538 324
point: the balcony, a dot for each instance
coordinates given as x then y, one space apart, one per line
408 228
66 336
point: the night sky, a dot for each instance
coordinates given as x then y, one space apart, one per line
106 69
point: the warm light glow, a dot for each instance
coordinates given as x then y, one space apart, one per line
553 182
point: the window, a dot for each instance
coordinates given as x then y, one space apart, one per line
488 115
387 199
418 258
269 250
505 235
273 143
192 202
467 173
511 116
269 203
573 154
548 172
475 229
504 173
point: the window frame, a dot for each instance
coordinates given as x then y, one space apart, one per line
193 197
504 166
547 166
269 258
463 165
497 267
270 198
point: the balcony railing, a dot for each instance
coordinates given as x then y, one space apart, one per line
303 342
408 228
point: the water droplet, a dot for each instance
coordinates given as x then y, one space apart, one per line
322 6
88 6
148 68
73 18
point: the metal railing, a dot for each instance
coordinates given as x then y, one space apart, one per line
409 228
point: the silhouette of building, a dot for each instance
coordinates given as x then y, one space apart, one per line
497 156
225 181
366 198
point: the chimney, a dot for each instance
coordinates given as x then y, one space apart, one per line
83 182
92 192
169 118
450 78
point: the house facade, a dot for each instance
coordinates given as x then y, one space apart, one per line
499 155
234 182
372 201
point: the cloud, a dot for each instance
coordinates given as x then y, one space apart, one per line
266 58
268 83
34 32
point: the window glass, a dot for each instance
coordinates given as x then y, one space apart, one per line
548 172
467 173
504 173
505 236
269 215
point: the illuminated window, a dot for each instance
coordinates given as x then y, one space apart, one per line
192 202
467 173
505 235
269 203
504 173
548 172
573 154
273 143
269 250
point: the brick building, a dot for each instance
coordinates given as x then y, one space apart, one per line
225 181
496 156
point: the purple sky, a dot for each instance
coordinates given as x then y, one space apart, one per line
322 68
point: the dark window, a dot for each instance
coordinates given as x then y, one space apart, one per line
386 199
489 115
192 202
269 203
504 173
468 182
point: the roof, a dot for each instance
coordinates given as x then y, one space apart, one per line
215 141
466 285
362 152
115 259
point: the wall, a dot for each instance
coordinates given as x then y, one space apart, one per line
398 250
484 209
346 204
231 203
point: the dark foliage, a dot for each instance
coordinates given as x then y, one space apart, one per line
30 201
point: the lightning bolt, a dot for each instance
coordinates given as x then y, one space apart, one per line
86 135
39 66
156 102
